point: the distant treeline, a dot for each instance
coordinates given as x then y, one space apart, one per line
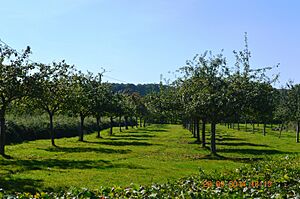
142 89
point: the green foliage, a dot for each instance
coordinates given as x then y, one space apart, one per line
294 102
14 75
163 106
80 98
15 82
51 87
50 91
22 128
281 110
99 96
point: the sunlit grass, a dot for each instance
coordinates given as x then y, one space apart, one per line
157 153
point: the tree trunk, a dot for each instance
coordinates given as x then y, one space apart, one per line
98 127
194 129
203 133
81 127
253 127
264 130
246 126
297 132
137 124
51 129
141 122
144 125
120 125
197 130
131 121
126 122
111 126
190 126
238 126
2 131
213 138
280 130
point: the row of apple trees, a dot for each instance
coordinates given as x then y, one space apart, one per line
58 88
209 91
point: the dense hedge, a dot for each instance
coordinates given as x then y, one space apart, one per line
283 176
26 128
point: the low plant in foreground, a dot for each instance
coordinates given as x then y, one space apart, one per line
266 179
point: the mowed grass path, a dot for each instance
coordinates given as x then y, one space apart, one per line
157 153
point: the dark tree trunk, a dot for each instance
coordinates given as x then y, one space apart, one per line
111 126
253 127
137 123
52 129
144 125
131 121
233 125
197 130
191 127
297 132
81 127
280 130
213 138
203 133
98 127
194 128
126 122
238 126
120 125
2 132
141 122
264 129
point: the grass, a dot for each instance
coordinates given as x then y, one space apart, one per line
158 153
234 143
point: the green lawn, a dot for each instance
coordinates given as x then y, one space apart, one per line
157 153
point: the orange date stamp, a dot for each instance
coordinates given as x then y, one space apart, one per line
236 184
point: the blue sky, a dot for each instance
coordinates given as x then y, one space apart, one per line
137 40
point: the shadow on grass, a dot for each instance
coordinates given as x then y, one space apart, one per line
241 144
49 164
125 138
6 156
85 149
254 151
134 136
122 143
235 159
195 142
12 185
229 139
125 143
135 132
155 130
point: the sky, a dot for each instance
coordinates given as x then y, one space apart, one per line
136 41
